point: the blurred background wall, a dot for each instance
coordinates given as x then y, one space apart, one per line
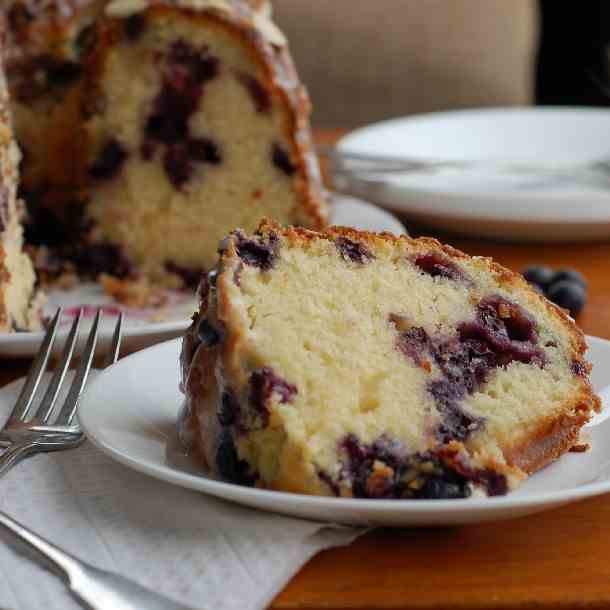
366 60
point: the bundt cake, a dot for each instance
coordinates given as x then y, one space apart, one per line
19 305
170 123
357 364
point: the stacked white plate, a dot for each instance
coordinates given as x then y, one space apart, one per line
484 203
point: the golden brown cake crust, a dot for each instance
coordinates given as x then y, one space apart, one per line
552 440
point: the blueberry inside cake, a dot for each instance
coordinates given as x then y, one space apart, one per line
19 302
364 365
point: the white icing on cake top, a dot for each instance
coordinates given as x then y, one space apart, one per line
260 20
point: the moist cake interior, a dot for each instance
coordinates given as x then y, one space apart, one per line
194 146
359 362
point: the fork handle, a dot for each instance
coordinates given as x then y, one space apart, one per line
13 455
17 452
99 589
53 557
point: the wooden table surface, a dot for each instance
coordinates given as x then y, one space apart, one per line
559 559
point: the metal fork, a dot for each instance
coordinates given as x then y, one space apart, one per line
25 434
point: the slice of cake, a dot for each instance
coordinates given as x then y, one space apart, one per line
19 308
354 364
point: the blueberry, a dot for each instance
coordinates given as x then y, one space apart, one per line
204 149
135 26
436 488
256 253
353 251
569 295
230 467
539 275
436 265
179 98
414 343
208 335
263 383
109 161
229 409
495 483
281 159
570 275
456 423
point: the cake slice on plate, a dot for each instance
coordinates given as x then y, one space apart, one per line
357 364
19 305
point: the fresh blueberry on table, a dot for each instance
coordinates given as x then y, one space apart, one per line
569 295
565 287
539 275
569 275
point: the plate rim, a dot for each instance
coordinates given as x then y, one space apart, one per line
483 110
376 508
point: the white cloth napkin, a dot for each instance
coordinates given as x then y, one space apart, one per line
188 546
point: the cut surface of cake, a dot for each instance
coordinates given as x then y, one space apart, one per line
354 364
198 124
19 305
180 120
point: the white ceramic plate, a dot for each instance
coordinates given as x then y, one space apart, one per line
485 204
144 327
130 412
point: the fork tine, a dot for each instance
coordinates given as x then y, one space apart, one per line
48 402
68 410
26 396
115 346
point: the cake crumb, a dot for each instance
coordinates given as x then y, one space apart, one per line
583 443
580 448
